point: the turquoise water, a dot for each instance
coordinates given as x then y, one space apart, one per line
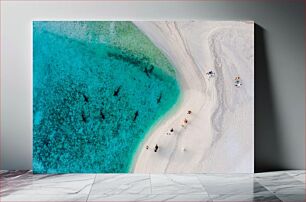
97 89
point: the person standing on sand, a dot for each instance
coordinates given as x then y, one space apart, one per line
185 121
189 112
147 147
156 148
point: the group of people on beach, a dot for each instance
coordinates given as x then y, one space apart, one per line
171 131
155 148
210 74
184 124
237 80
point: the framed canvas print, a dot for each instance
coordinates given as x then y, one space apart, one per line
143 96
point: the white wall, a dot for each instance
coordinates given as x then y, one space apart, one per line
280 73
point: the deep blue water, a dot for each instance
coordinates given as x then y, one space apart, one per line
98 88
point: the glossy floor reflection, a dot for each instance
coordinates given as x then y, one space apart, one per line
273 186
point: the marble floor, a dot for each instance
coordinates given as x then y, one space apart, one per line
270 186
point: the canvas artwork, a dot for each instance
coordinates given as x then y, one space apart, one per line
143 96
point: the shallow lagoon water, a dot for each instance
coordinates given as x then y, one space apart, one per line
98 87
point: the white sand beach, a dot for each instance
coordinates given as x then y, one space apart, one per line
219 136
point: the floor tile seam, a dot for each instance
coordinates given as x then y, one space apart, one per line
128 194
91 187
295 183
270 190
150 177
205 189
249 195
